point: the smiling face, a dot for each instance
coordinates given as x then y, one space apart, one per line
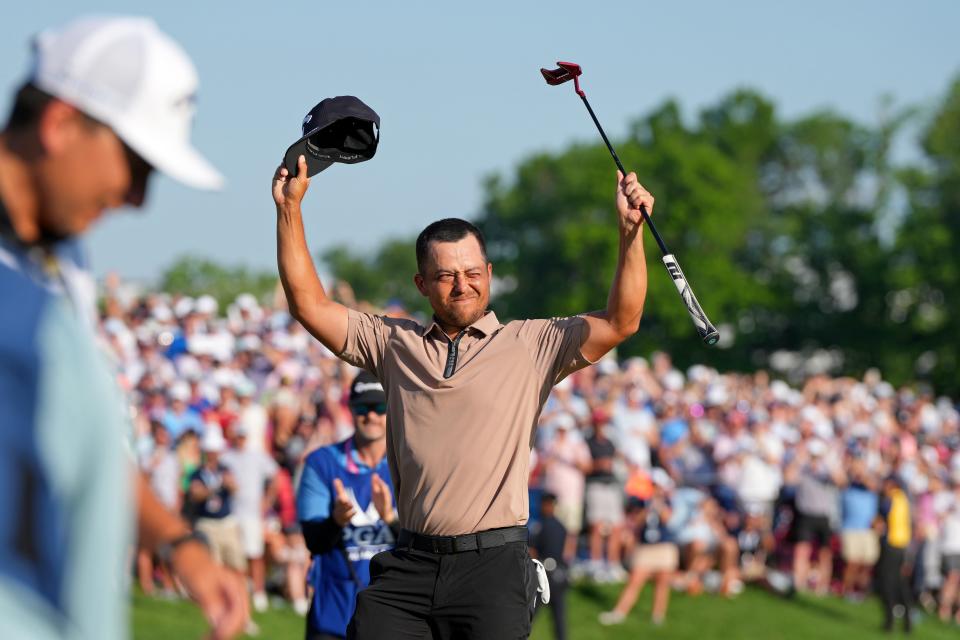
370 425
456 279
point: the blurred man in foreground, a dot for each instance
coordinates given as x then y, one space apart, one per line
108 100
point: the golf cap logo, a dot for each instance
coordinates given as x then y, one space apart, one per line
307 119
363 387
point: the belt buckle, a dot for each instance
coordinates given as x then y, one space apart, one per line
441 545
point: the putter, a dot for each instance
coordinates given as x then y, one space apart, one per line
567 71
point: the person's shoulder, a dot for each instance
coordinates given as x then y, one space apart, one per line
317 456
554 523
325 455
532 327
524 323
383 470
387 321
550 320
169 458
16 284
21 322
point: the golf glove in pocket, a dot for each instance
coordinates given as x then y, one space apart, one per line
543 587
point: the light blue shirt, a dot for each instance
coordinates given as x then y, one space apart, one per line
65 516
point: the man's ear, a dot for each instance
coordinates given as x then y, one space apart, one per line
57 127
421 285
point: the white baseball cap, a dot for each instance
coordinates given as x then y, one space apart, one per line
179 391
565 422
213 440
128 74
207 304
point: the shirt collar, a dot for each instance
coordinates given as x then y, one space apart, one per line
352 457
486 325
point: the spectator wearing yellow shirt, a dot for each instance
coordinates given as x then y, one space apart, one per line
892 582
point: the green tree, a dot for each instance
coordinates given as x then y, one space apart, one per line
195 276
775 223
925 293
552 230
783 226
382 276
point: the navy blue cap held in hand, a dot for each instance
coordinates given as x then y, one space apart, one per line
341 129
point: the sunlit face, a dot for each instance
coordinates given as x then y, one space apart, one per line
161 437
212 458
456 280
370 425
84 171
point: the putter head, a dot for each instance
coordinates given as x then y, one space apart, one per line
564 72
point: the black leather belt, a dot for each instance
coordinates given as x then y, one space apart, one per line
466 542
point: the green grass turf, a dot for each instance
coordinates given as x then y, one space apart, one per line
754 614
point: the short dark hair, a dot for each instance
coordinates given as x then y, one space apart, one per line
28 104
446 230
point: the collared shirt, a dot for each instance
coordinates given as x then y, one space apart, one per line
896 509
459 446
335 583
64 480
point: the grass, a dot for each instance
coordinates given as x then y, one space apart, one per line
753 614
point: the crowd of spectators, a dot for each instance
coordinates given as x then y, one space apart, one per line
699 480
225 406
694 480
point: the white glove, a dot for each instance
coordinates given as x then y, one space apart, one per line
543 587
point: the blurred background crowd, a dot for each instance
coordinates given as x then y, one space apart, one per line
694 480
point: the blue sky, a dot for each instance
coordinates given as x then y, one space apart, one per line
460 96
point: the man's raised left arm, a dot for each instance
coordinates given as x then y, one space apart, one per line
621 319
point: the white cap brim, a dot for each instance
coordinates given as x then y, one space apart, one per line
131 76
181 162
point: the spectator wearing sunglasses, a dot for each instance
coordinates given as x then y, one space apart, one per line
345 502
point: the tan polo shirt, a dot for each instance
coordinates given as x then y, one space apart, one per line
459 447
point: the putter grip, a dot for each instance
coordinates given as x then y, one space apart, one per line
708 332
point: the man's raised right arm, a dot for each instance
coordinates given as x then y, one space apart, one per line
308 302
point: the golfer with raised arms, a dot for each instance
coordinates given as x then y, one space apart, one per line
463 397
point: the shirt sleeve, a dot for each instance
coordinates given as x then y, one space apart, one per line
554 345
366 340
195 422
313 495
270 466
584 456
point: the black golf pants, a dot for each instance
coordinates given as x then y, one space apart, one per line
485 594
558 608
892 585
